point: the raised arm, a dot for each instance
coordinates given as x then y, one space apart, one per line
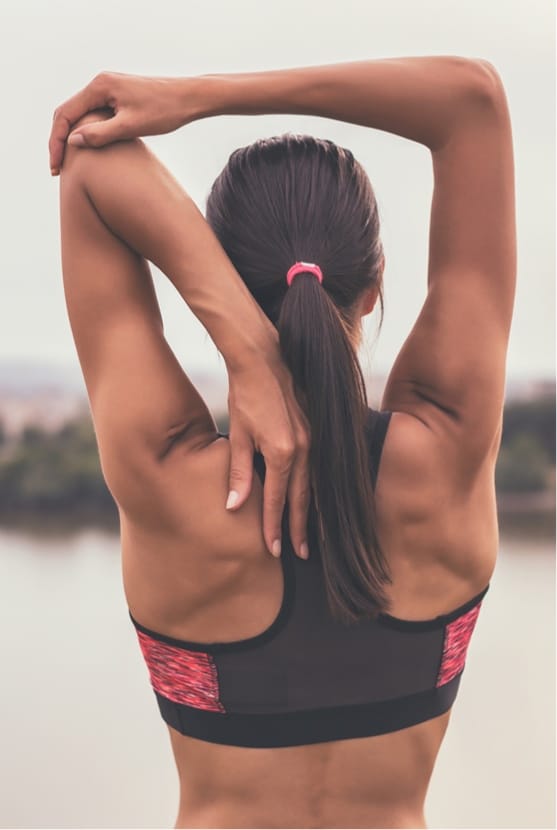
120 208
450 373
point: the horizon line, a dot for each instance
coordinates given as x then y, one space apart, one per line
73 367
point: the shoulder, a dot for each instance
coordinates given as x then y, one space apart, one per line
434 507
423 467
185 496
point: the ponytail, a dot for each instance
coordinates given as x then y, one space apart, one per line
328 379
276 199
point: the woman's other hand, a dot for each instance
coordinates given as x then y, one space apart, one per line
140 106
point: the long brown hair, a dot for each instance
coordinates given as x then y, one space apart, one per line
297 198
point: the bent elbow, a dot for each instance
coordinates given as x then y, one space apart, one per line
487 82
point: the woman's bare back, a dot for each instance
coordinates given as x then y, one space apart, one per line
441 546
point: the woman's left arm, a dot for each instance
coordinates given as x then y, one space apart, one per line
119 209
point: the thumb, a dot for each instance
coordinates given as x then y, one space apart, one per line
97 133
241 471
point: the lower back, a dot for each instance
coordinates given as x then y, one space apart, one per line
363 782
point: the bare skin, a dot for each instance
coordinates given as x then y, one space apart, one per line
193 570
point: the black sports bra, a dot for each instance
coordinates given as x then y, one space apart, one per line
308 679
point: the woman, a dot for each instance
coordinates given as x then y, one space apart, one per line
299 691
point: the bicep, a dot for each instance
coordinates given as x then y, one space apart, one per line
451 370
139 395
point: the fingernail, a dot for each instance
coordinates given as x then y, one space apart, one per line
276 548
54 171
76 140
304 552
233 497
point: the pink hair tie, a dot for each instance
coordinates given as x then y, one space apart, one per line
304 268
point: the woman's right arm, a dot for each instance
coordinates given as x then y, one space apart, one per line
450 372
416 98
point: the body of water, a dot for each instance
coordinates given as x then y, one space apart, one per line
82 743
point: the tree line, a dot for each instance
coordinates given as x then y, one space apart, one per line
58 473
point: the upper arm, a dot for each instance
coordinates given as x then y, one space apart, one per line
450 372
140 396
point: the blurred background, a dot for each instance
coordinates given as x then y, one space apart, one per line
82 743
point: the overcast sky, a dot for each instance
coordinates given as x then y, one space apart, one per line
49 49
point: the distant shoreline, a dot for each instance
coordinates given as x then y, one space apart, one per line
541 502
528 515
54 523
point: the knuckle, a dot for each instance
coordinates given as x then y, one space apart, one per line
285 444
101 81
59 116
236 474
282 455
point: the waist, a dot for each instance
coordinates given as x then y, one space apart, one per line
348 815
369 782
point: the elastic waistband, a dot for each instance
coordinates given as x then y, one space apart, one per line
311 726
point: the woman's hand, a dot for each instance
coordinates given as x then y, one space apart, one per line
265 415
141 106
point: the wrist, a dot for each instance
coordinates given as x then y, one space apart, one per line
194 97
243 349
249 93
207 95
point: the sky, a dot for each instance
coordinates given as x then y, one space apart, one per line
50 49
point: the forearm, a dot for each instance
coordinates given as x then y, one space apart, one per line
183 246
419 98
138 199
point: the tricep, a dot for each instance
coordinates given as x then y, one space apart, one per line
450 372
